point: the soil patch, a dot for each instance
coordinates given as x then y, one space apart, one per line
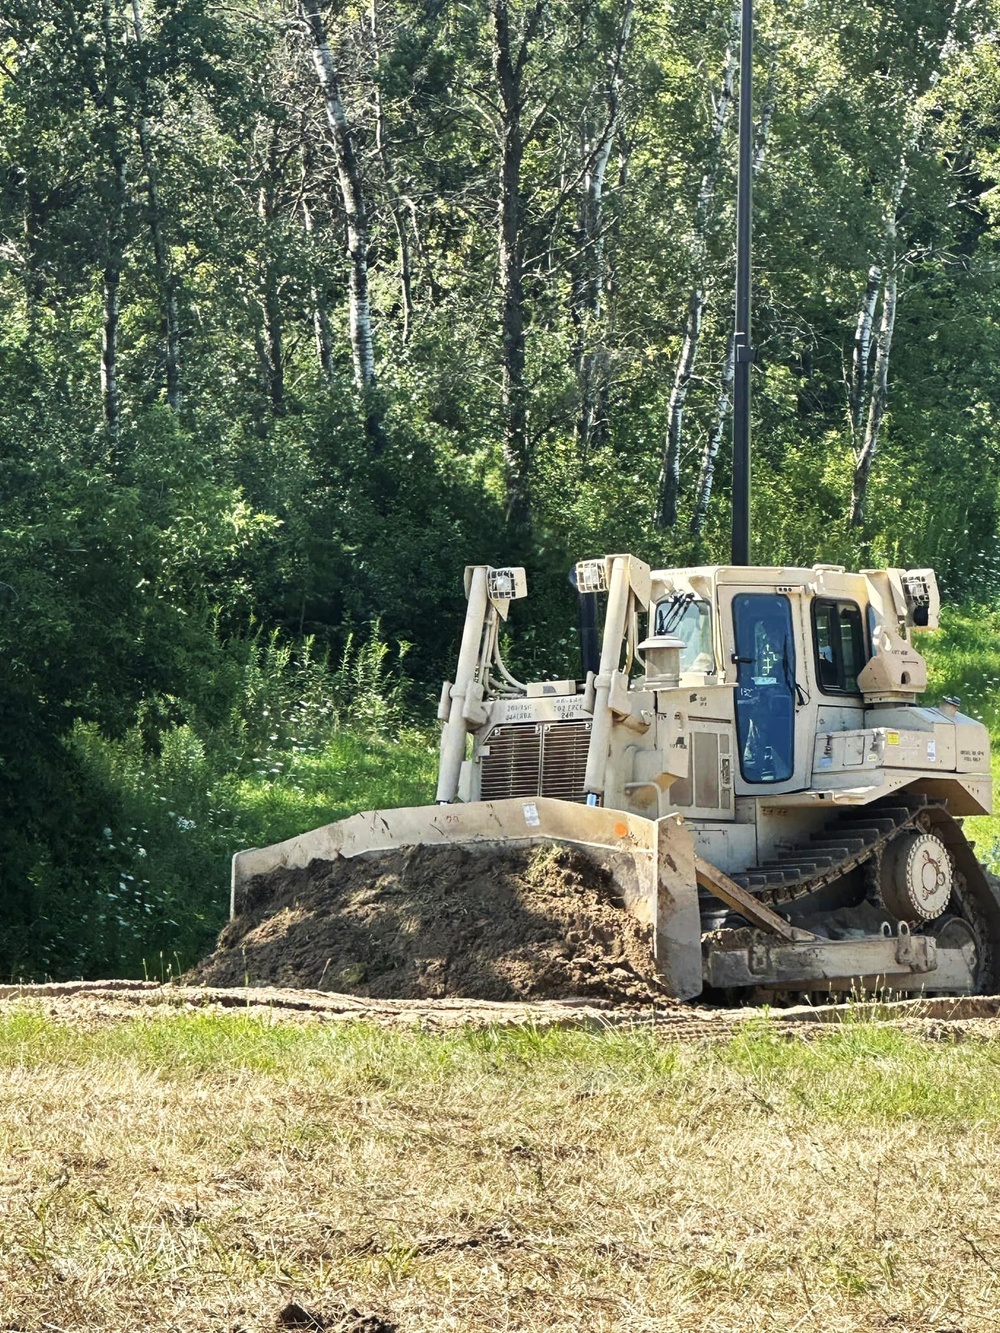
432 922
90 1004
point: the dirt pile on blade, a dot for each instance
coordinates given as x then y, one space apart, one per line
430 922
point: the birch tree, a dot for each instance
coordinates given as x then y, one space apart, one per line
861 356
591 266
353 197
98 54
166 277
668 485
393 204
918 107
322 332
106 96
714 438
270 336
877 402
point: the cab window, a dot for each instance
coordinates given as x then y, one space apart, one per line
839 640
690 619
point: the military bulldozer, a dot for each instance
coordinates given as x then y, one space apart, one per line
748 758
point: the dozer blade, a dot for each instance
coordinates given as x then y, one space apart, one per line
652 861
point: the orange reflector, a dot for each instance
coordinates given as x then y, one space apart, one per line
621 830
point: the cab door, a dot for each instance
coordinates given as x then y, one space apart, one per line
766 693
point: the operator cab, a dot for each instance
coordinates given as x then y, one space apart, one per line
783 655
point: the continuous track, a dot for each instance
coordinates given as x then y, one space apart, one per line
855 840
843 845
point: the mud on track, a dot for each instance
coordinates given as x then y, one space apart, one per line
94 1003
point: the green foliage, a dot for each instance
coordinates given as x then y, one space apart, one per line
182 796
159 887
963 662
189 587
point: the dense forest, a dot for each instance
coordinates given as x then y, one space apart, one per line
306 307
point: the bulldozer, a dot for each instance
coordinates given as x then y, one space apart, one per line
748 758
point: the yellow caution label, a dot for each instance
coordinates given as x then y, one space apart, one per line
892 738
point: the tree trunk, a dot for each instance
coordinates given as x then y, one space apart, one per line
167 281
713 443
165 277
109 344
392 199
352 194
912 129
877 405
865 456
321 321
34 269
508 70
668 487
270 345
862 350
670 470
587 298
115 241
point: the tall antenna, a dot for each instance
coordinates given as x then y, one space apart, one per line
743 343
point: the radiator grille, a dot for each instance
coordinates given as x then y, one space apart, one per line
564 759
536 759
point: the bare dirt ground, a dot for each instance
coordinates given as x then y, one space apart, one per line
99 1002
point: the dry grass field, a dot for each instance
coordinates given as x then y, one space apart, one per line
209 1171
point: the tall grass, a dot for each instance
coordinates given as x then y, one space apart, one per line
302 742
963 660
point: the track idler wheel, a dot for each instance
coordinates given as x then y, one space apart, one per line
916 876
975 899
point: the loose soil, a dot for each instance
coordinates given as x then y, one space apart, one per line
435 922
91 1004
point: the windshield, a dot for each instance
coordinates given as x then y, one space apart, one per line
690 620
